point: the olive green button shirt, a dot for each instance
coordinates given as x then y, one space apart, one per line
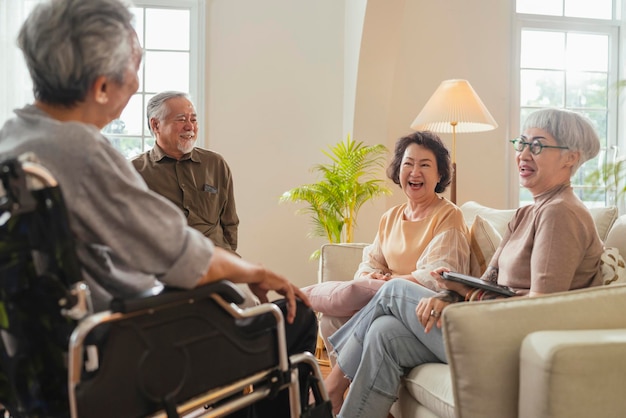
201 185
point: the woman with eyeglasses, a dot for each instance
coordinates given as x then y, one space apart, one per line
550 246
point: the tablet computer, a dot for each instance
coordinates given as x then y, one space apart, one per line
479 283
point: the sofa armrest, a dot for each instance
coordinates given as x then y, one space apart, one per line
483 341
339 262
573 374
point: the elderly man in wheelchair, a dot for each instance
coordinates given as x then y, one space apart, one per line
84 244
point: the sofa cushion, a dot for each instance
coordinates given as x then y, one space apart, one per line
484 239
430 384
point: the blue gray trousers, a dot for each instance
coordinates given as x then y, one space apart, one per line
380 344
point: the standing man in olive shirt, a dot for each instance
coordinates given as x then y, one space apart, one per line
196 180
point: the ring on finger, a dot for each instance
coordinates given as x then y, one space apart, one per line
434 313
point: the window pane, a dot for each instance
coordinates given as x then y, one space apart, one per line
587 90
587 52
167 29
542 88
138 23
130 121
167 71
600 122
133 116
128 146
596 9
543 49
540 7
116 126
593 194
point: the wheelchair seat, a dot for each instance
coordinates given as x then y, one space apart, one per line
176 353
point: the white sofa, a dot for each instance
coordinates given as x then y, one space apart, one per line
560 355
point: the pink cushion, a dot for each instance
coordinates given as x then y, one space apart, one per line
341 298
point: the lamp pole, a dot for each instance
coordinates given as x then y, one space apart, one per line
453 185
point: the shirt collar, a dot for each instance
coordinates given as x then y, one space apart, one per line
157 154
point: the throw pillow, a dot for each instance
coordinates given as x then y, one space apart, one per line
484 239
498 218
338 298
604 217
613 267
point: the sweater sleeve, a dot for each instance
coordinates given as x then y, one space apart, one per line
373 261
448 249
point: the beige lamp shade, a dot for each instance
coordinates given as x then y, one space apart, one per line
454 106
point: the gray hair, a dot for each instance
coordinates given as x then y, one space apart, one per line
68 44
569 129
158 109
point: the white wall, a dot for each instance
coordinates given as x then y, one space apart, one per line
282 85
275 97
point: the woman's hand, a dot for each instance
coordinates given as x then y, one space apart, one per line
459 288
381 276
429 311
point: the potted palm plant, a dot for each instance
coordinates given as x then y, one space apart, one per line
346 183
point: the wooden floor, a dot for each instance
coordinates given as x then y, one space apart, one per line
324 364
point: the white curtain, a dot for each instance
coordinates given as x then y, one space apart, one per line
15 84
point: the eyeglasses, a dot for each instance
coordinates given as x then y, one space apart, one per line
535 146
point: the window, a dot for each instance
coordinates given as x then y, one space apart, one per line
169 34
567 58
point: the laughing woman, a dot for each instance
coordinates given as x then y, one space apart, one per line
414 238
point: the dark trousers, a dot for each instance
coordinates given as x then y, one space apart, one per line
301 336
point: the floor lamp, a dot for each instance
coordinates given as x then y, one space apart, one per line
454 107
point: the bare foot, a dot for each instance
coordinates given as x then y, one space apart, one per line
336 384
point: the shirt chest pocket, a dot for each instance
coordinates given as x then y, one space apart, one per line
203 205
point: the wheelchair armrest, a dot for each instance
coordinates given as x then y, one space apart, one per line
226 289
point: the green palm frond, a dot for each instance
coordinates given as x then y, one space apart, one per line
620 85
610 177
347 183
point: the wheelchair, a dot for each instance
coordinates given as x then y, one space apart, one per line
175 353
